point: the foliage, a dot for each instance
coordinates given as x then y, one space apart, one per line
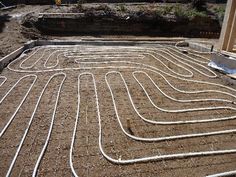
122 8
167 9
191 13
180 11
105 8
79 4
220 11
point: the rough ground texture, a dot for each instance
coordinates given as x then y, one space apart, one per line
11 30
108 65
140 19
19 106
21 24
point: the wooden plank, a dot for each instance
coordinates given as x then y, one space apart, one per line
231 54
227 24
233 76
232 35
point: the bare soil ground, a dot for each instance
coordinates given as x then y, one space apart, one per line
10 27
13 35
87 157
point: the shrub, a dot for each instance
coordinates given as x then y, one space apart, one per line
182 13
167 9
79 4
122 8
220 12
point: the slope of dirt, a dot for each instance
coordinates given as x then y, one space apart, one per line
20 24
157 19
10 27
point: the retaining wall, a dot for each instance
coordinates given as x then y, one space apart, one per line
12 2
82 24
100 42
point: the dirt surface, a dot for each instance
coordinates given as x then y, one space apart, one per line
87 157
153 19
114 62
13 35
10 27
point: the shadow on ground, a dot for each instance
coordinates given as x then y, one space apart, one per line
3 19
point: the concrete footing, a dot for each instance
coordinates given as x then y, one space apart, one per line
7 59
200 47
10 57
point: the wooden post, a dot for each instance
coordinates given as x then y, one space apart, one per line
227 27
232 34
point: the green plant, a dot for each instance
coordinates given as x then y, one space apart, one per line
167 9
220 12
105 8
158 12
122 8
79 4
182 12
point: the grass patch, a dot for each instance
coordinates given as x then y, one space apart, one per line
220 12
122 8
182 12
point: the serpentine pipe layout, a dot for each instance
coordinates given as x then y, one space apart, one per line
174 122
111 60
30 123
22 101
127 161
